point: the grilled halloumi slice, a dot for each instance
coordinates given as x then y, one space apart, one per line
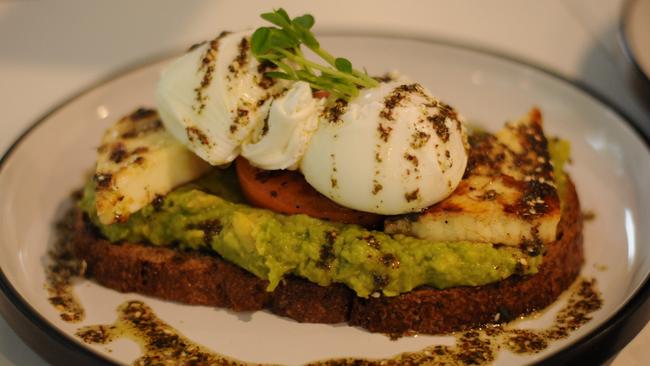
138 160
507 195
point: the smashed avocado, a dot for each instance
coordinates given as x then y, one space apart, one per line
210 214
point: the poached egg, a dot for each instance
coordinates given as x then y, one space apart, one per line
214 96
392 149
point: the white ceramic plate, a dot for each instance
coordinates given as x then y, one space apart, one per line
611 170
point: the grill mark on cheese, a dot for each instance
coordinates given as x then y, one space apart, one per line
535 201
142 113
103 180
118 152
142 127
128 159
509 177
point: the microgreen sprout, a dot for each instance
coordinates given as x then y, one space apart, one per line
282 46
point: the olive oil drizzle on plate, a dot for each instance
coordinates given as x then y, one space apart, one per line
161 343
63 267
481 346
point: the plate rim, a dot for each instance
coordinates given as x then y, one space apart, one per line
626 46
24 319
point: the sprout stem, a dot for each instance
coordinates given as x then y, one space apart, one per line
284 43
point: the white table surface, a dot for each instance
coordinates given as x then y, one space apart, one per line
51 50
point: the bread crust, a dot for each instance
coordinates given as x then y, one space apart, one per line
207 279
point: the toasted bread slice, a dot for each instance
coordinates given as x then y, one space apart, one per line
207 279
507 195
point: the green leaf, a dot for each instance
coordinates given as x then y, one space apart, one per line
278 75
273 57
287 69
260 41
282 47
304 74
276 19
305 21
280 39
307 38
343 64
284 15
307 76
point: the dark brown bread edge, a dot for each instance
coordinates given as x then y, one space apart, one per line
204 279
442 311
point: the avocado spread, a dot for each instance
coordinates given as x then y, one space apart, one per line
210 214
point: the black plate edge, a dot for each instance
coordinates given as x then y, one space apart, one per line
626 47
40 335
66 351
53 346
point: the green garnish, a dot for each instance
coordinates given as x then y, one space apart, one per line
283 47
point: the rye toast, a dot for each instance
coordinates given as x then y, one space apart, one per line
207 279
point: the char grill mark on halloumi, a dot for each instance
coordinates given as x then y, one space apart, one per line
507 195
137 161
